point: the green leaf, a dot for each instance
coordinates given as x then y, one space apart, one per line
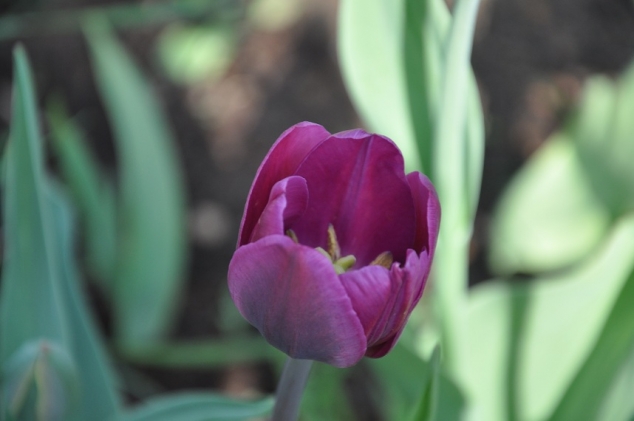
413 389
527 341
326 396
603 132
401 377
39 383
428 404
92 194
41 302
451 172
371 49
31 305
548 216
99 397
152 240
618 405
614 346
392 56
212 353
198 407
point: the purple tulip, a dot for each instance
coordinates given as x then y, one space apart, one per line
335 245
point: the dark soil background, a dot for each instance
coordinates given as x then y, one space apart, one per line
530 57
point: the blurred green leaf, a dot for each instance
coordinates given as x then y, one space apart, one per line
40 383
401 377
428 404
548 216
604 133
31 304
99 395
618 404
151 217
371 55
213 353
326 397
451 173
392 55
92 194
583 397
122 15
198 407
193 53
542 332
40 296
406 382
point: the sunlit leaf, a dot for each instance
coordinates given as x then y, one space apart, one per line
619 405
614 345
371 37
603 134
548 216
151 217
529 339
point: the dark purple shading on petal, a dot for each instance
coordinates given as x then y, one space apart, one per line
408 284
287 203
288 151
358 184
293 296
427 212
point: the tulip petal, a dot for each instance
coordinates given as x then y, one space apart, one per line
408 284
370 290
293 296
288 151
287 203
427 212
356 182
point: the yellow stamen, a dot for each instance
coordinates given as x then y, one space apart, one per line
324 252
344 263
290 233
333 245
384 259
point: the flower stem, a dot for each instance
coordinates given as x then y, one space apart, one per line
290 390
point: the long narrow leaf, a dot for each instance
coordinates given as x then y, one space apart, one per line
450 176
30 296
198 407
99 395
151 250
92 194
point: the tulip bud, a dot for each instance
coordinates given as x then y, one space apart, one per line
39 382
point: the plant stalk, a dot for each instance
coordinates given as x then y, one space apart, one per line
290 390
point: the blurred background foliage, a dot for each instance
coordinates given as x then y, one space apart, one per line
138 127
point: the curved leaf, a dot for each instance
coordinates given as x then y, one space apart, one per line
151 248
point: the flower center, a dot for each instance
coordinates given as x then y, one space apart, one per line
345 263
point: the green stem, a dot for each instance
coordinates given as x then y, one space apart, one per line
290 389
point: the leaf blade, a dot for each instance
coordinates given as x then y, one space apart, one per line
152 251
